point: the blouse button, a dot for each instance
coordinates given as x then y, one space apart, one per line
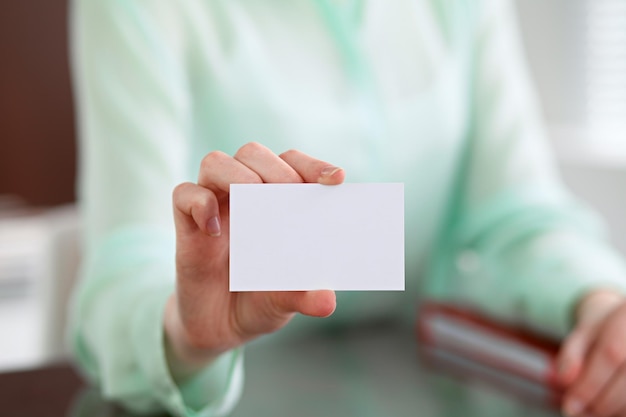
468 261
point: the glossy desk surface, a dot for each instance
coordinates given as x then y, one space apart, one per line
372 371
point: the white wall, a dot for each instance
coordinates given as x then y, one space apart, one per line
604 189
553 33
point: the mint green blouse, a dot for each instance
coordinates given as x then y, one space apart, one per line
431 93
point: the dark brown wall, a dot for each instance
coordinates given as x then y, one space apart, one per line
37 149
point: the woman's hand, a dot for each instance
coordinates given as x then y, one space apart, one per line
203 319
593 358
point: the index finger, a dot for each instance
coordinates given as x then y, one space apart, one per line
218 171
313 170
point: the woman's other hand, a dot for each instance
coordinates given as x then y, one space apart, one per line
203 319
592 362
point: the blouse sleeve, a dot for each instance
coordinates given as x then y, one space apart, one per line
134 125
515 243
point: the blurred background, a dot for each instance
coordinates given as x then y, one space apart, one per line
576 51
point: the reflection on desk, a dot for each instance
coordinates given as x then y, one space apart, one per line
364 371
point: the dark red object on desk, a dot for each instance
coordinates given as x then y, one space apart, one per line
469 345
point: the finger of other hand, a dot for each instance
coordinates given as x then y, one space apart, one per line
612 402
605 357
266 164
313 170
572 355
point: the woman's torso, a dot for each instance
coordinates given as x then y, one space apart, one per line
381 91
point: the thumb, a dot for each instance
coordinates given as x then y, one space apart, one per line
573 352
319 303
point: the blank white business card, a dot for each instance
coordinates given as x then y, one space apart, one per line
290 237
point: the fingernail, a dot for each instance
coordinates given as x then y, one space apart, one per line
213 226
329 171
572 407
